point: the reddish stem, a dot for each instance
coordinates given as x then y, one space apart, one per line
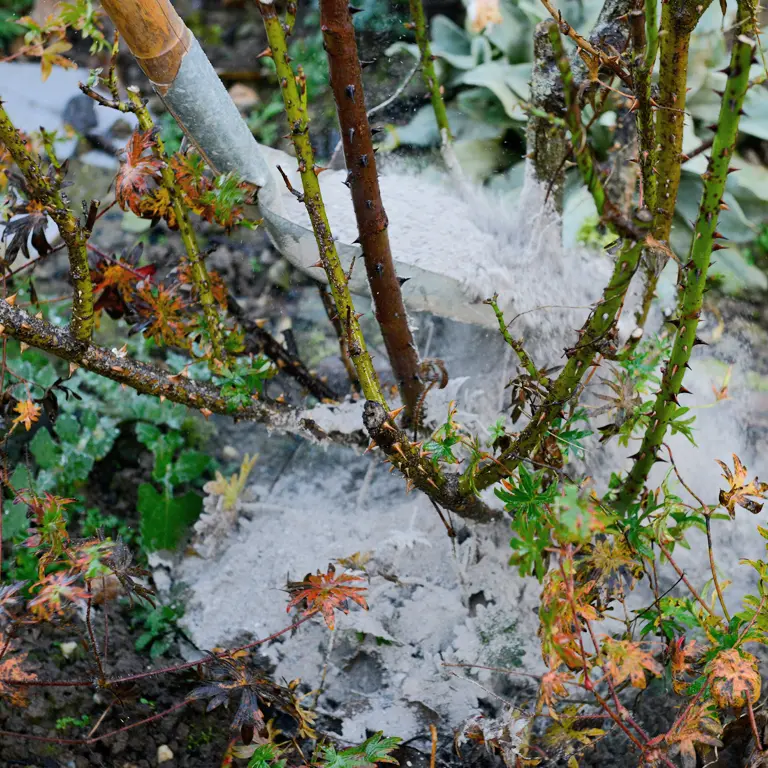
362 179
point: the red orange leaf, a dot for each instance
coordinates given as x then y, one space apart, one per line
139 171
325 592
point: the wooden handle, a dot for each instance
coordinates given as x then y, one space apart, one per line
155 33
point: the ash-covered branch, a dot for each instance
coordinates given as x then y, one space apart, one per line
420 472
362 179
144 378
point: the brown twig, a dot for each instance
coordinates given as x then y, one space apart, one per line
362 179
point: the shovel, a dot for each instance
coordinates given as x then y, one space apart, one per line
449 278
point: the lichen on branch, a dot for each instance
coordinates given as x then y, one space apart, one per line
46 191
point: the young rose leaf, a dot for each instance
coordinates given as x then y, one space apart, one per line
740 491
325 592
627 660
734 678
139 172
29 412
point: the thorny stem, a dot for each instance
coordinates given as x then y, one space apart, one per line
92 636
590 51
72 232
298 123
693 274
362 179
596 336
428 74
516 344
678 20
333 318
199 271
645 44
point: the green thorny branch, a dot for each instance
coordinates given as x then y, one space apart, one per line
598 335
678 20
298 124
45 189
199 271
516 344
419 25
693 274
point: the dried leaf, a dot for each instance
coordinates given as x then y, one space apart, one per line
29 412
625 659
734 678
700 726
740 490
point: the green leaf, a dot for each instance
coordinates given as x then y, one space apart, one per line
190 466
165 518
147 434
69 429
46 452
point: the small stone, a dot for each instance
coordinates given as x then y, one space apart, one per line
245 98
68 648
164 754
230 453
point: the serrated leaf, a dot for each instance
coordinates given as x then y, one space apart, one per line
164 518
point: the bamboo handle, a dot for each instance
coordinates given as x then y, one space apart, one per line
156 35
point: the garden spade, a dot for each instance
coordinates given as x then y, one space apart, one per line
449 276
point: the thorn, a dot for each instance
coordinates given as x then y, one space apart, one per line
358 315
394 414
697 342
733 169
364 161
364 64
409 486
352 10
316 264
11 299
350 91
2 329
348 181
403 280
162 398
398 448
719 93
718 236
206 413
266 52
318 169
719 247
432 483
370 447
24 347
72 368
261 322
385 425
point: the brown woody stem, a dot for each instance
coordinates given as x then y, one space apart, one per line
362 179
